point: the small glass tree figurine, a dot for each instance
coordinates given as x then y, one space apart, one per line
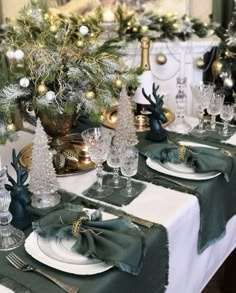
180 124
10 237
43 182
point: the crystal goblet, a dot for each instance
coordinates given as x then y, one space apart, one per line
202 92
113 161
214 107
129 167
226 114
98 141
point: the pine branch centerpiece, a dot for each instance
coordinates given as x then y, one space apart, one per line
54 63
43 182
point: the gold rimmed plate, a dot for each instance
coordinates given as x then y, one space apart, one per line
110 119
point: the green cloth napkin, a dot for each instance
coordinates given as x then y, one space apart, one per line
13 285
201 159
117 242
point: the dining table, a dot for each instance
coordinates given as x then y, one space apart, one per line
193 229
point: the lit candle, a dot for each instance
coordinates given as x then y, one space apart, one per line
108 16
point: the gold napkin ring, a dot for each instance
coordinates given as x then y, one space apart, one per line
76 226
181 152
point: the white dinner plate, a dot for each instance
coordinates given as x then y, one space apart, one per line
182 170
56 253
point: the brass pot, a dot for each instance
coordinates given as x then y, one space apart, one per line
56 124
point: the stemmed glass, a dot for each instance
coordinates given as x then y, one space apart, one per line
202 92
226 114
114 161
129 167
214 107
98 141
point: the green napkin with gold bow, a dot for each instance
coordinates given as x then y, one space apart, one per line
201 159
118 242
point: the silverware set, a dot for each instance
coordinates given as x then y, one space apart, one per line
19 264
149 175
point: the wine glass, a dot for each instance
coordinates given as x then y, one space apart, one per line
98 140
226 114
214 107
113 161
129 167
202 92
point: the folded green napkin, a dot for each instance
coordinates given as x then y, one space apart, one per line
117 242
201 159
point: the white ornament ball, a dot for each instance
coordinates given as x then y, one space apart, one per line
83 30
50 96
19 54
24 82
228 82
10 55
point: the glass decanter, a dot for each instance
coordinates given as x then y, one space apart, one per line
10 237
180 124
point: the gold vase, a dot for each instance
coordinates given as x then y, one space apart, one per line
57 125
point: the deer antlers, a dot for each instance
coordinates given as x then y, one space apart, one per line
158 98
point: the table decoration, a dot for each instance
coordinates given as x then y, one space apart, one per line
226 114
10 237
20 196
199 158
43 182
98 141
97 239
214 108
57 66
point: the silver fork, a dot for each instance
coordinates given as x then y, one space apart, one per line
19 264
149 175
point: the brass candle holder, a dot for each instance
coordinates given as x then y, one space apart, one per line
141 122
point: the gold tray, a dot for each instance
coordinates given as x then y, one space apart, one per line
74 141
110 118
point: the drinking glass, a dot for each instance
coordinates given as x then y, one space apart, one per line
214 107
129 167
202 92
226 114
98 140
113 161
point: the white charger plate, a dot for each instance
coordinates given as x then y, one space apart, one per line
56 253
182 170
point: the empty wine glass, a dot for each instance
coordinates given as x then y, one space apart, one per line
129 167
98 141
214 107
113 161
226 114
202 92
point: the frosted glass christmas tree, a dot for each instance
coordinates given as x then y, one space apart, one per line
43 182
125 132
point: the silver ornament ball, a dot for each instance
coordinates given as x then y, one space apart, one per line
83 30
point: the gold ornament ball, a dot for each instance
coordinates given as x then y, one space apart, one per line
53 28
199 62
144 28
80 44
135 29
34 2
42 89
216 68
118 83
11 127
90 95
228 82
161 59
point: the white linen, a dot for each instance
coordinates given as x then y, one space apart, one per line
231 140
4 289
189 272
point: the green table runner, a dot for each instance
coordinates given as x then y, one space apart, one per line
217 198
13 285
152 278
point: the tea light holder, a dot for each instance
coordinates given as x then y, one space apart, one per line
84 157
141 122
